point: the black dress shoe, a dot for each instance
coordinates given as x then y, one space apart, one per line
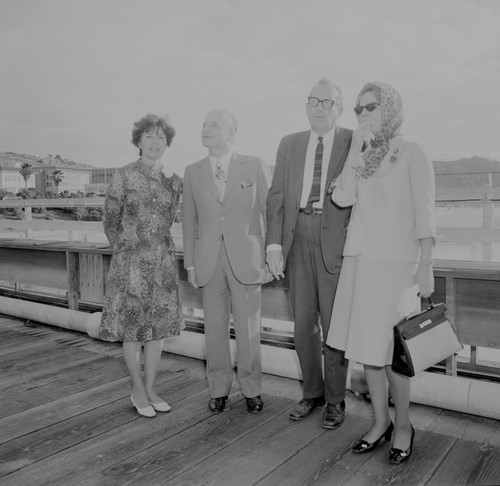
305 407
397 456
218 405
363 446
334 415
255 404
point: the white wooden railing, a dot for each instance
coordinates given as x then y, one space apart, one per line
28 225
471 289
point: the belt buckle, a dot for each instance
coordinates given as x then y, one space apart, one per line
307 210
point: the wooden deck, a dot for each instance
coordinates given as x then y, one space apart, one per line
66 419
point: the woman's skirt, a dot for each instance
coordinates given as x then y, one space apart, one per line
142 297
364 311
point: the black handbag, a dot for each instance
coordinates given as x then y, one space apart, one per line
423 340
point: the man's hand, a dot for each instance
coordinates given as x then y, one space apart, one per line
274 260
192 278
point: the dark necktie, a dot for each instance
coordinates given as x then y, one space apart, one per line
316 183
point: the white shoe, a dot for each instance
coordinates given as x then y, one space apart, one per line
161 406
146 411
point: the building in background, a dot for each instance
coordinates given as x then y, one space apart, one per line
11 180
100 179
73 179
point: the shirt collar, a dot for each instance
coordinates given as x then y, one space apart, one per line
225 160
327 137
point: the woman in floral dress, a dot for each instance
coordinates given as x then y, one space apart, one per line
142 294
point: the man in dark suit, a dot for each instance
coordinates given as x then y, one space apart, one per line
305 234
223 221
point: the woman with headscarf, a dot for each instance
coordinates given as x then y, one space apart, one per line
390 239
142 303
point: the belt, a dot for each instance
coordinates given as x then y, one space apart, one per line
310 211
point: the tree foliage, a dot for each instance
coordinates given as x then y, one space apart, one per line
57 176
26 172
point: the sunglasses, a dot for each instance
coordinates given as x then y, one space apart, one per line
368 107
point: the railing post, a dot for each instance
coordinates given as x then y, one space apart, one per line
73 273
28 217
451 304
473 355
488 216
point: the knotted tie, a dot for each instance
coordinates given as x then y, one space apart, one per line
316 183
220 179
219 172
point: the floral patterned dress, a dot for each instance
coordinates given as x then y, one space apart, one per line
142 292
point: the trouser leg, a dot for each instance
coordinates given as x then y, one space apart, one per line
246 308
304 297
313 290
217 309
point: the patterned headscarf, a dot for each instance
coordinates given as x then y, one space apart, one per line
391 107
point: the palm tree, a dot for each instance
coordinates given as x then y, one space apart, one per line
57 176
26 172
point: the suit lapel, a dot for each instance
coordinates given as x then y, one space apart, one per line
339 146
207 177
300 152
235 173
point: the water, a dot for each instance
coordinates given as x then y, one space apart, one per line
464 217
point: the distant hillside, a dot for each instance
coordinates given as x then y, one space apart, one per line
449 173
457 173
11 158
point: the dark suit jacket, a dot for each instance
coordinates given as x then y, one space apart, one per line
283 200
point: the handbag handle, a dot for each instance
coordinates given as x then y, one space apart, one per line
429 302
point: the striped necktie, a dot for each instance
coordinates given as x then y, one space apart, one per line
316 183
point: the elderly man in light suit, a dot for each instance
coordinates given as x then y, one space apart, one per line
223 221
306 233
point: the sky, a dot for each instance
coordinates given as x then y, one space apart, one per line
76 74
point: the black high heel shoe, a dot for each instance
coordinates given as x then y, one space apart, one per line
397 456
363 446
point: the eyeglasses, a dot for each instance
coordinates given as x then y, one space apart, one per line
369 107
314 102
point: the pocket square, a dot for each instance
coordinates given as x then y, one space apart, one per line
246 183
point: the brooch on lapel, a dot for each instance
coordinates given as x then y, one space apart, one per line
394 156
246 183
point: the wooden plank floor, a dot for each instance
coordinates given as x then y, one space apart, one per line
66 419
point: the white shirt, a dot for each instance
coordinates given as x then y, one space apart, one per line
309 166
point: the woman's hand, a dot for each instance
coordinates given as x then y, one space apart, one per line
425 273
192 278
425 278
361 137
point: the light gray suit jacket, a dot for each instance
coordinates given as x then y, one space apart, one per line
394 208
239 218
